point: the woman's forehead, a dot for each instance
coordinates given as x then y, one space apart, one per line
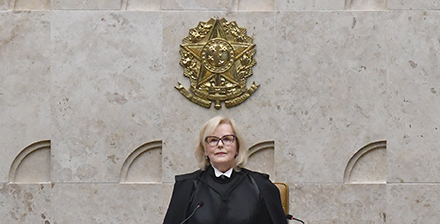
224 128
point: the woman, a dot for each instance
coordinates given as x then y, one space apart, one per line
222 191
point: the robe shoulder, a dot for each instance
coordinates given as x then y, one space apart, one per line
188 176
257 174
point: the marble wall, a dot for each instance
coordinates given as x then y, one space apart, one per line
93 130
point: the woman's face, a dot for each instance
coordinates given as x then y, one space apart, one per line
222 156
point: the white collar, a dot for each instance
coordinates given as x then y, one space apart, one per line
219 173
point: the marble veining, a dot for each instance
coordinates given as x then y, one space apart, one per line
92 84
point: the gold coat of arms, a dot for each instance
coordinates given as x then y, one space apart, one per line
217 57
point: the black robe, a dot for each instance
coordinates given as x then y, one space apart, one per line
247 198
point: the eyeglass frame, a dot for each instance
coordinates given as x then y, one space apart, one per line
234 138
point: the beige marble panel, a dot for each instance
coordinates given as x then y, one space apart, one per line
86 4
25 203
414 96
309 5
261 158
4 4
141 5
329 91
109 203
107 72
84 203
223 5
366 4
410 4
413 203
182 120
336 203
32 5
255 5
24 83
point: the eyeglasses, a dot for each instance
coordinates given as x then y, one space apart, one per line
226 140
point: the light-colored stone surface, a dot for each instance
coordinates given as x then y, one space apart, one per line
336 203
368 165
25 203
371 168
25 90
40 5
3 4
97 79
414 96
309 5
256 5
329 84
109 203
105 81
142 5
413 203
86 4
32 165
84 203
411 4
202 5
366 4
145 167
262 158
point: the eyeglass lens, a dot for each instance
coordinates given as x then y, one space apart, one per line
214 140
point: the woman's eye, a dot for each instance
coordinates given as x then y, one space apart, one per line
226 139
212 140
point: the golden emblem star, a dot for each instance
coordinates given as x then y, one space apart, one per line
217 55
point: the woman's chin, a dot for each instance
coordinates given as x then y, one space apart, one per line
221 162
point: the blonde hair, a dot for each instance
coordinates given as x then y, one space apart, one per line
208 128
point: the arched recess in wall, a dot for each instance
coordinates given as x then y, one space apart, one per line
32 164
368 164
144 164
261 157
